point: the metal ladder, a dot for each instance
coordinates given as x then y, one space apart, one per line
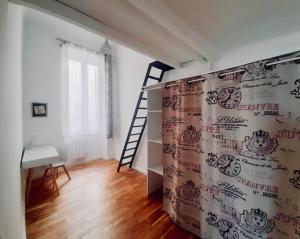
139 119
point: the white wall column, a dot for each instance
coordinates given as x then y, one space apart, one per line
12 219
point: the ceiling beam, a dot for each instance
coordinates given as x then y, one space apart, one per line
90 23
159 12
150 31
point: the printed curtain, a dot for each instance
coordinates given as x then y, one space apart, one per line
231 146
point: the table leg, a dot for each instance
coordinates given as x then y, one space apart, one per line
44 176
66 171
28 185
54 179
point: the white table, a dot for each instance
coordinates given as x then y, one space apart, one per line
36 157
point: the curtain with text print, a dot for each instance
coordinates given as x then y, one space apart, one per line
231 146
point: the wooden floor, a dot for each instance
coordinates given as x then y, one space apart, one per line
99 203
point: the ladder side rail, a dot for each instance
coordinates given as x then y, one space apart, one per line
138 143
129 132
133 119
143 129
164 68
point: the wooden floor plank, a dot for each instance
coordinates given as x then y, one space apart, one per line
98 203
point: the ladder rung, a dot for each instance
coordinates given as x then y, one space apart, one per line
132 141
142 108
128 156
130 149
138 125
135 134
154 78
144 98
125 163
139 117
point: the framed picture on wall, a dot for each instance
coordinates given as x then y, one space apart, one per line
39 109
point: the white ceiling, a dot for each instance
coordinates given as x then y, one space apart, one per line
181 30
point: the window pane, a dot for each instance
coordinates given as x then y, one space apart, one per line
92 99
75 97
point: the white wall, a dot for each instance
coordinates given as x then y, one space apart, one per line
239 56
41 70
188 70
42 77
12 220
130 70
260 50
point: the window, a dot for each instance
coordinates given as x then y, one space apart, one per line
75 97
82 93
92 98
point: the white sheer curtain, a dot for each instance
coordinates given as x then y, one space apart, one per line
83 103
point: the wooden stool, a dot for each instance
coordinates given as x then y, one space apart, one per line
56 166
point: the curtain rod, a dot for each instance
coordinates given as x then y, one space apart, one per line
173 83
63 41
282 61
193 78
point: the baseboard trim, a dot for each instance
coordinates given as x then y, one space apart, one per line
141 170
